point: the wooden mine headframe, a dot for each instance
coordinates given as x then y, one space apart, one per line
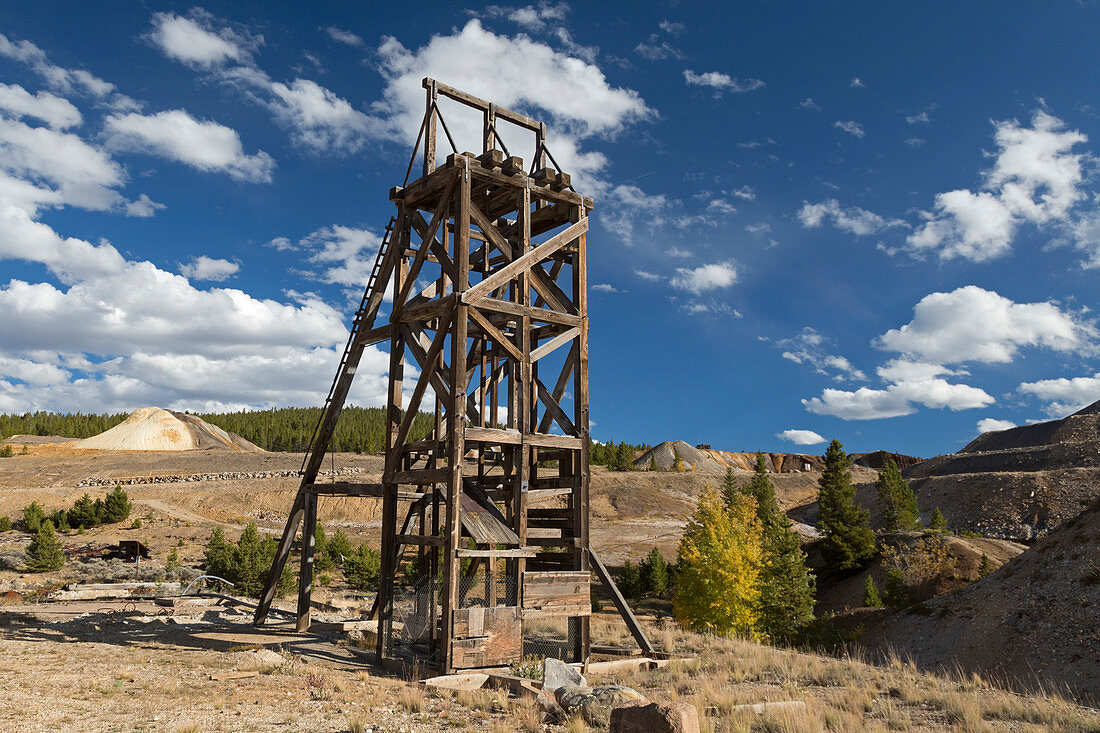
493 501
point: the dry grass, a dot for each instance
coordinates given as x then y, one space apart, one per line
841 694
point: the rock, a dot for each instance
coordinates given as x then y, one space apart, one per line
595 704
556 673
656 717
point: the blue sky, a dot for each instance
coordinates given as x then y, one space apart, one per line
876 222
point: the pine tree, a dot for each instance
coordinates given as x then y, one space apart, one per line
83 513
871 598
937 523
652 461
786 584
654 572
116 507
5 523
363 568
33 516
322 560
720 558
729 487
761 488
849 543
339 547
44 553
985 567
899 504
894 592
630 580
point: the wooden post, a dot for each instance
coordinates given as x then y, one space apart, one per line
580 422
430 131
305 580
456 424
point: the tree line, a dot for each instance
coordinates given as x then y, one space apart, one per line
359 429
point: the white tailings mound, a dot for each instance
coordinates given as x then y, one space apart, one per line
152 428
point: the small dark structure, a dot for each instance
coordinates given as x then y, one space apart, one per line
132 550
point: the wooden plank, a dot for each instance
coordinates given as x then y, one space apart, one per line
493 435
510 553
578 610
543 315
524 262
421 476
480 104
419 540
555 591
553 408
494 333
555 342
620 602
483 637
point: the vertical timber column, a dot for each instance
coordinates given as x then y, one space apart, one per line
580 421
456 418
393 451
305 579
523 406
430 132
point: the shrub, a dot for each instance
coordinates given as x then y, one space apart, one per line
363 568
33 516
6 451
871 598
44 553
11 559
136 524
921 565
5 523
246 563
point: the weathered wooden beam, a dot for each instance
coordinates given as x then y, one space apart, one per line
620 602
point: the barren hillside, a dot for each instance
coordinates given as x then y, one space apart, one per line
1016 484
1034 618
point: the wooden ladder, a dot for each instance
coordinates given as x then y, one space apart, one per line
305 503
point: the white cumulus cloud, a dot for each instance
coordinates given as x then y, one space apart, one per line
971 324
800 437
57 112
1063 395
209 268
1035 179
990 424
202 144
705 277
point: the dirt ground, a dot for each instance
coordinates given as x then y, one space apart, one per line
118 665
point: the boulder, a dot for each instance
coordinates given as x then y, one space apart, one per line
556 673
595 704
656 717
